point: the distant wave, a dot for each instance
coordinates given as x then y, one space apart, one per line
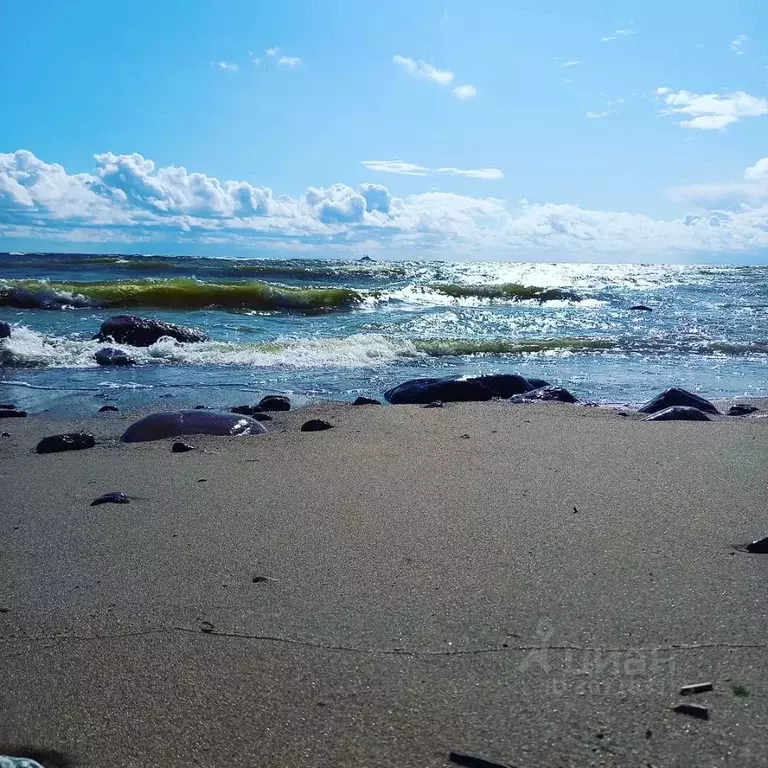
509 291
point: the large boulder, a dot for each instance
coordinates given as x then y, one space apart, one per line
455 390
157 426
275 403
5 330
742 409
678 413
69 441
557 394
144 331
109 356
676 396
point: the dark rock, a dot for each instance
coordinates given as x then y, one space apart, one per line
316 425
275 403
694 710
742 409
689 690
641 308
70 441
435 404
678 413
114 497
157 426
114 357
454 389
677 396
472 761
758 547
5 434
262 417
557 394
11 413
5 330
108 409
201 408
181 447
537 383
366 401
7 406
144 331
246 410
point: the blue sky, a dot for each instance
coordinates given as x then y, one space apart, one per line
494 129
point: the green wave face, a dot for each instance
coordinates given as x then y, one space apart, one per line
508 291
185 293
461 347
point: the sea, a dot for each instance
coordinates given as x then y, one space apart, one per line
326 329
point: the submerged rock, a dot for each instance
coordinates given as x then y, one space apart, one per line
678 413
9 412
114 357
742 409
69 441
557 394
366 401
454 389
316 425
157 426
5 330
114 497
677 396
108 409
144 331
275 403
641 308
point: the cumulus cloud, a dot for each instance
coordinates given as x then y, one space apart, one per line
711 112
289 62
571 63
128 199
227 66
424 70
464 92
412 169
750 191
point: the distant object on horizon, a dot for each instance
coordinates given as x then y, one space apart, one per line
366 258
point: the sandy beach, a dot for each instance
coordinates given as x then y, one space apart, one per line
530 584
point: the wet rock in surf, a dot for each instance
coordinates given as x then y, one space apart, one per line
246 410
109 356
365 401
678 413
275 403
758 547
69 441
554 394
742 409
316 425
455 389
5 330
641 308
108 409
157 426
144 331
676 396
9 412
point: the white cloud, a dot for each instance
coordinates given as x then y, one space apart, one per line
753 190
738 43
424 70
598 115
254 58
571 63
411 169
616 34
128 199
711 112
227 66
272 52
464 92
289 62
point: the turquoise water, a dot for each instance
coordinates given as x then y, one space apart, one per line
319 329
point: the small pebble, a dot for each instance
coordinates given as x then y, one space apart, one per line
115 497
435 404
688 690
180 447
108 409
316 425
206 626
472 761
694 710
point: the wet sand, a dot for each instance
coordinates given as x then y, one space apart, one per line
532 584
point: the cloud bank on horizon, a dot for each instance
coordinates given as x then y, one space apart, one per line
128 199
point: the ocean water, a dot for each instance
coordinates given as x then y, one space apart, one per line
320 329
